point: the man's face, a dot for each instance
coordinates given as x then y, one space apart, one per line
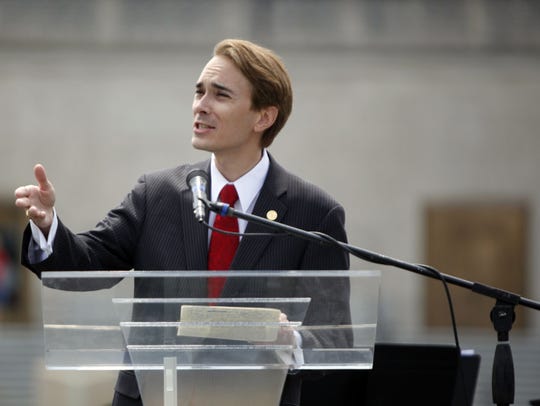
223 121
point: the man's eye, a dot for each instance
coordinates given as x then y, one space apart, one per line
220 94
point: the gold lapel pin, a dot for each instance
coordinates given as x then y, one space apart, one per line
271 215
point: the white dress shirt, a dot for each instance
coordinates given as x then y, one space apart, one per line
248 187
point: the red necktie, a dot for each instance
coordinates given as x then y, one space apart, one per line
222 246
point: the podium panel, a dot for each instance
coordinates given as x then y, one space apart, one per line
162 325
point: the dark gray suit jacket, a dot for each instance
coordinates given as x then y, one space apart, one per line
154 229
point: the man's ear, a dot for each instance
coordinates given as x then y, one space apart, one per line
267 117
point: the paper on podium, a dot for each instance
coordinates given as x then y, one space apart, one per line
230 323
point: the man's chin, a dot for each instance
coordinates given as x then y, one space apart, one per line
201 146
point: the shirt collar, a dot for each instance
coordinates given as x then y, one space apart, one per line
247 186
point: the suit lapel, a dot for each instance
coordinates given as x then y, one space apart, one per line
252 248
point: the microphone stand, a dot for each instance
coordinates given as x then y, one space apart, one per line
502 315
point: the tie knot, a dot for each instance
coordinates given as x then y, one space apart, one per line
228 194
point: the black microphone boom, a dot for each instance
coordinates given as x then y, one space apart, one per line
197 181
225 210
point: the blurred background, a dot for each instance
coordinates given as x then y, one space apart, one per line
421 117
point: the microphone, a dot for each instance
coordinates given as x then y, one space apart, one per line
197 180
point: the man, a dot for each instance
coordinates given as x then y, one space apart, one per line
242 100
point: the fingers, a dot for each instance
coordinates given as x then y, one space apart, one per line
21 200
37 201
28 190
22 192
24 201
35 214
41 177
23 195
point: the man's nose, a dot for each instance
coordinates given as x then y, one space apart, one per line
201 105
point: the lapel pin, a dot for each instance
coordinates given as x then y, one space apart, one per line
271 215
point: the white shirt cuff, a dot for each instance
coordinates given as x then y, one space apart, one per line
40 248
298 354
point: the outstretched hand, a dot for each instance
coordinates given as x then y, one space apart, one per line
37 200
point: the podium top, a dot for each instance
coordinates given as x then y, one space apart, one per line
133 319
205 273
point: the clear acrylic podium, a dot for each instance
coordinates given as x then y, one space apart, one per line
187 349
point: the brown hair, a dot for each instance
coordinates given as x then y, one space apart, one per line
270 82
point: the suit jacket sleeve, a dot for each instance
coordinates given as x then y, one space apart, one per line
109 246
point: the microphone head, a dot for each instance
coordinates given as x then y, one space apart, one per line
197 181
194 174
